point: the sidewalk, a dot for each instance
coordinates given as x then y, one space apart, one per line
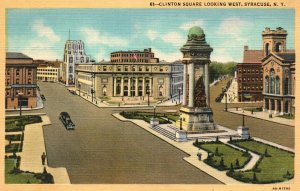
263 115
33 147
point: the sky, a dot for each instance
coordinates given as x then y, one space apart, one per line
42 33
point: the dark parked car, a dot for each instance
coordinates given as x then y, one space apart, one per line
43 97
66 120
72 92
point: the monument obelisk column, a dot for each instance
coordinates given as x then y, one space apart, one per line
207 85
191 84
184 102
195 113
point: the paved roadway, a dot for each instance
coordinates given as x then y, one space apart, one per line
103 149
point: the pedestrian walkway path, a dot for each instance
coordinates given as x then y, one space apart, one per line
263 116
33 147
251 163
232 93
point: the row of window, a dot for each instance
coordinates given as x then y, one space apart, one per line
17 81
29 72
250 88
250 79
129 60
133 68
46 73
47 70
151 55
16 93
252 71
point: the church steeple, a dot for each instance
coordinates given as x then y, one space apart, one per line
274 40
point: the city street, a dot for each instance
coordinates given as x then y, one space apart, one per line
103 149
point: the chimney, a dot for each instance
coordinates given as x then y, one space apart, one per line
149 49
246 48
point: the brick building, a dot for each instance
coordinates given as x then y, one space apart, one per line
20 81
250 76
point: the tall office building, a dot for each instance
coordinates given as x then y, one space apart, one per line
74 53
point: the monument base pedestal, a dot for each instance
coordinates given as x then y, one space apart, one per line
196 119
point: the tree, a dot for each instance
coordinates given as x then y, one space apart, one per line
196 142
217 151
254 177
237 162
231 169
45 171
217 139
266 153
222 162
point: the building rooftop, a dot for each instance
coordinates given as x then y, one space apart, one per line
252 56
16 55
287 56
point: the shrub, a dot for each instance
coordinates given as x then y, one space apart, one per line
237 162
222 162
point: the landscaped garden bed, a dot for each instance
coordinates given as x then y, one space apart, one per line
275 164
13 147
15 176
16 123
222 156
16 137
164 118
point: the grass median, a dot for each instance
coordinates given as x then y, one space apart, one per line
275 164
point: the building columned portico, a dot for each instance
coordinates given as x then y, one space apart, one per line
196 114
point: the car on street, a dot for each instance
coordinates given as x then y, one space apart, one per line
66 120
72 92
43 97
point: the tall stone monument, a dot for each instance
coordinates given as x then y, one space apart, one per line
196 114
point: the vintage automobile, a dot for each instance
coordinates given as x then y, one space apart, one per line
66 120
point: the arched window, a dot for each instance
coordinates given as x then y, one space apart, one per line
267 84
277 82
278 47
286 86
267 49
272 81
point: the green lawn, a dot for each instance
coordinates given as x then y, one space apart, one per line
16 137
13 123
272 168
146 116
14 147
229 155
20 178
287 116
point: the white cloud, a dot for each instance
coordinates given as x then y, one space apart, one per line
151 34
93 36
101 55
38 49
174 38
221 55
186 26
170 57
44 31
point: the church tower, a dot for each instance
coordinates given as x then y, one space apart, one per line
274 41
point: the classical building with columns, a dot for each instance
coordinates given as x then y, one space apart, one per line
278 73
196 114
125 79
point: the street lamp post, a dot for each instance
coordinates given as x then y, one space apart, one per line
226 101
148 93
92 92
154 114
180 123
20 102
179 92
